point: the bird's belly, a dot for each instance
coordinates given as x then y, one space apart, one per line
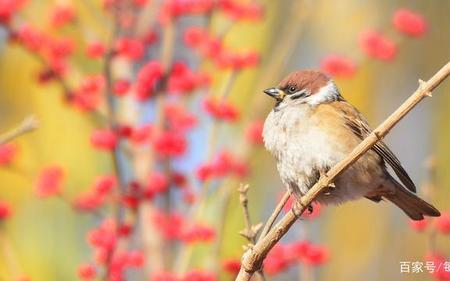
307 154
312 152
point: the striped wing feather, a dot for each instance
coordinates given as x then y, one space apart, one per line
358 124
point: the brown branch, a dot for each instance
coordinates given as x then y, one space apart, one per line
250 230
28 125
275 214
253 258
113 124
64 85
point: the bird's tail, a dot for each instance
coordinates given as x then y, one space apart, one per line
410 203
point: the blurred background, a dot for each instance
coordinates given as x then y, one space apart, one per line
44 239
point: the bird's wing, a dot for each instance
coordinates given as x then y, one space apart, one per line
358 124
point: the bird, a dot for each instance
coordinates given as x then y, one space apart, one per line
312 127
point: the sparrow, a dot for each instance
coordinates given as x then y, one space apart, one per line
312 127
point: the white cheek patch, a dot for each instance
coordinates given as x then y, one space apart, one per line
327 93
297 95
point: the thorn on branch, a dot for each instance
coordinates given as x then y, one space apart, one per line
422 86
250 233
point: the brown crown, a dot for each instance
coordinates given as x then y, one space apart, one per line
311 80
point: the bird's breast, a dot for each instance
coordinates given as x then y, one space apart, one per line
302 143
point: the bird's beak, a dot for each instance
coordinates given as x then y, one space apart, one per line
275 93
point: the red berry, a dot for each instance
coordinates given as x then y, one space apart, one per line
419 225
61 15
95 50
130 48
198 233
195 36
164 276
49 181
377 46
8 152
88 201
241 11
121 87
315 255
5 211
443 223
104 139
140 3
59 48
8 8
104 184
86 271
338 66
179 118
277 260
199 275
409 23
31 38
169 224
104 237
142 134
253 132
221 109
170 144
147 78
231 265
157 182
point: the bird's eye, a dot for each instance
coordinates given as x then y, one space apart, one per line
292 89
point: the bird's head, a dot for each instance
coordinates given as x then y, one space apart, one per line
304 87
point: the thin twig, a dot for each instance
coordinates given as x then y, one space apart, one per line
60 80
156 246
275 214
253 258
112 124
28 125
63 83
250 230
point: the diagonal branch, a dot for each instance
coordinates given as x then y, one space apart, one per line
29 124
253 258
275 214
